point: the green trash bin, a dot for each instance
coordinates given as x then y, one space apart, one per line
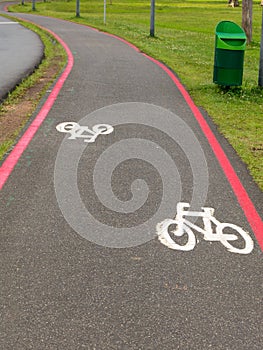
230 43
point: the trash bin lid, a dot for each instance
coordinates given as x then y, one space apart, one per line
230 36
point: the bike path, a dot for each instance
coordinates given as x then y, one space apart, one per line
62 287
21 51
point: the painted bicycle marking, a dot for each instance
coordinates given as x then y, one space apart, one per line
184 227
89 135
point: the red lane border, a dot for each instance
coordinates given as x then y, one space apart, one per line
11 161
242 196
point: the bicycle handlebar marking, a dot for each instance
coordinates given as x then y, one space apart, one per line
184 227
89 135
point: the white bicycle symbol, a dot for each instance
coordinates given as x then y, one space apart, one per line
89 135
185 227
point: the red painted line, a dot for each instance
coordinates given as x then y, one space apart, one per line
135 48
11 161
123 40
245 202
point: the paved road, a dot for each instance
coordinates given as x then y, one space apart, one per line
21 50
81 264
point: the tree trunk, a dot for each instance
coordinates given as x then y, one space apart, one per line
247 18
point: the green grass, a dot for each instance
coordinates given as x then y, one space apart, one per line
185 41
52 49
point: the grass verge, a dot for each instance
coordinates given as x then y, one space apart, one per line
18 107
185 41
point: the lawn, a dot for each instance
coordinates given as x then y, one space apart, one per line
184 40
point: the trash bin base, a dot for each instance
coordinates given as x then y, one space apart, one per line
227 77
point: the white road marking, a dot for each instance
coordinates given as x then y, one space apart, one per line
184 228
9 23
89 135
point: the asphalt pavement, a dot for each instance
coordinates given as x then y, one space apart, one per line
21 51
81 263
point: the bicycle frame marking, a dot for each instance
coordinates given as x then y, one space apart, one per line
185 226
84 132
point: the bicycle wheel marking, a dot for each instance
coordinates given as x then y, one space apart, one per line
186 227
